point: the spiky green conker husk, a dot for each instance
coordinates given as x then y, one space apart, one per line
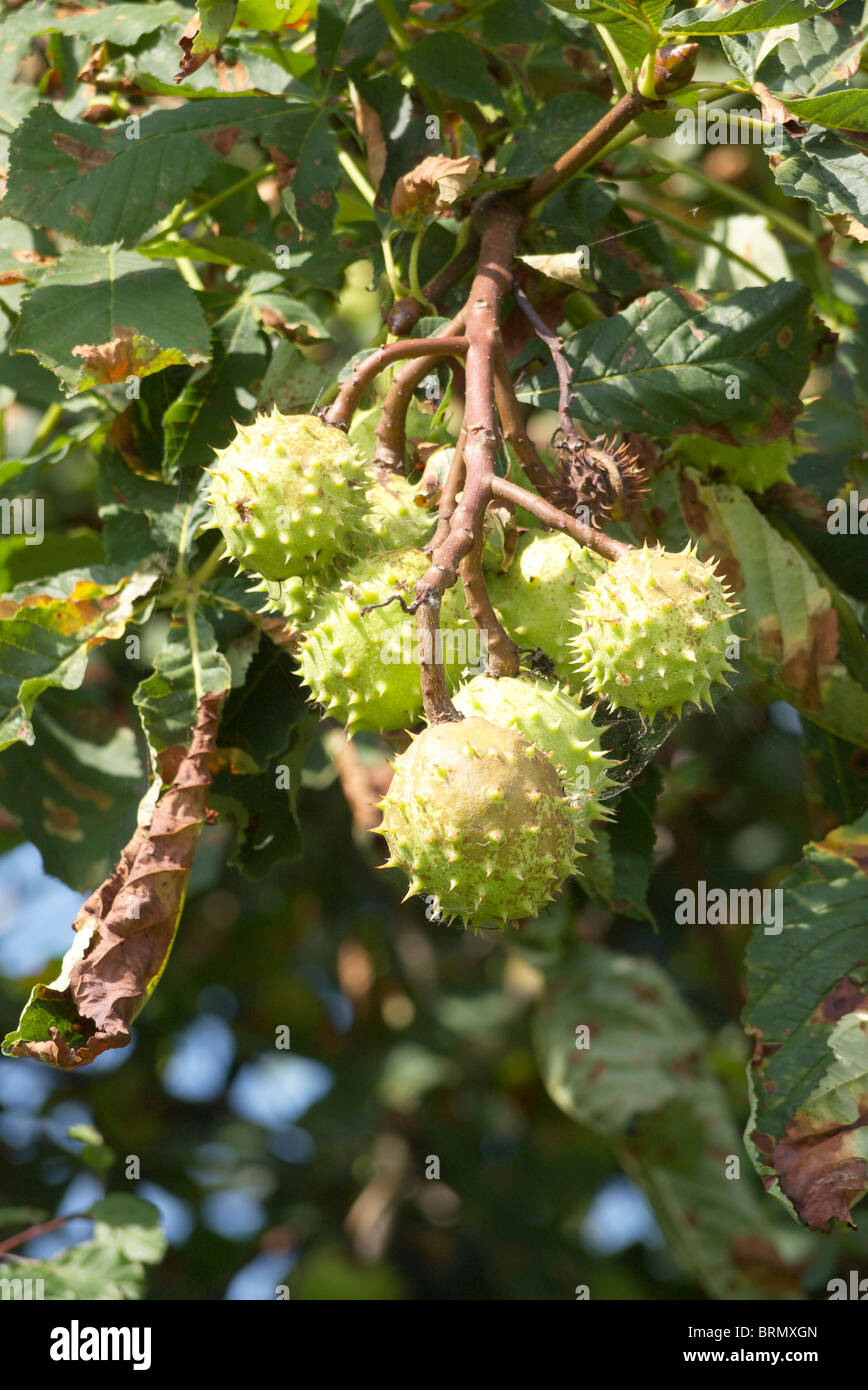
654 631
293 598
393 521
545 715
478 820
537 596
396 516
288 494
363 668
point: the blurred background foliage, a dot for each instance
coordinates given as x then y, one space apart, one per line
404 1145
409 1043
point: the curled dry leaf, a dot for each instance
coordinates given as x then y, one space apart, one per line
434 185
204 34
777 113
370 128
559 265
126 928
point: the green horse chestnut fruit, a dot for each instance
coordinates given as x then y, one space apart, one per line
654 631
289 495
479 821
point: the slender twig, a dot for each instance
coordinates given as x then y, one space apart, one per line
604 545
355 175
738 196
584 150
449 493
364 371
501 652
392 426
416 289
555 345
395 25
490 286
514 432
205 571
688 230
439 708
454 271
53 1225
183 219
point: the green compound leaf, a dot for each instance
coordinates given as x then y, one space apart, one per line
127 1236
616 866
265 734
305 137
112 185
807 1011
454 66
219 396
101 316
731 366
630 23
76 792
807 57
843 110
167 701
204 35
47 630
724 17
348 33
794 632
831 172
753 467
120 24
638 1078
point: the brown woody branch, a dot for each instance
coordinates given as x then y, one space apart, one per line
514 432
604 545
44 1226
392 426
502 653
482 318
555 344
449 493
493 280
584 150
350 395
439 708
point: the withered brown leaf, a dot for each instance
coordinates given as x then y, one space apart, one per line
125 930
434 185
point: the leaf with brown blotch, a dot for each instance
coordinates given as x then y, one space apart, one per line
204 34
125 930
48 628
793 612
807 1013
434 185
776 113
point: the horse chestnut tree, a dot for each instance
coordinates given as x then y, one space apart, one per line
411 401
